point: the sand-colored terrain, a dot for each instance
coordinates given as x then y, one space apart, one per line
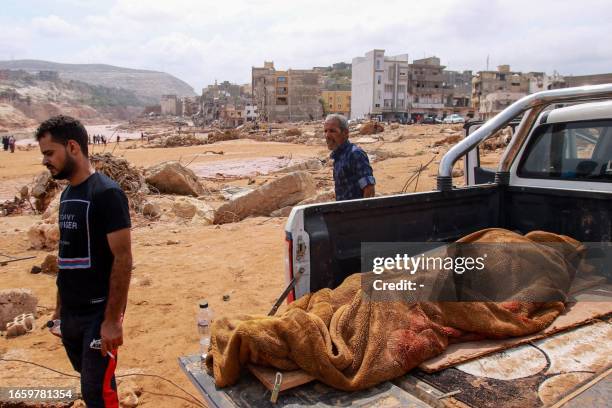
244 260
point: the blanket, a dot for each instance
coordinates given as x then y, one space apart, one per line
351 341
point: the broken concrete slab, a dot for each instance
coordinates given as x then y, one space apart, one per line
173 178
282 192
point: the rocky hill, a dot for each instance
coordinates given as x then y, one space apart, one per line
26 99
147 85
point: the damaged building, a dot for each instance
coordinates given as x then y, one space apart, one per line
286 96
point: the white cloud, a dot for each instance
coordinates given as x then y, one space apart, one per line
53 26
200 41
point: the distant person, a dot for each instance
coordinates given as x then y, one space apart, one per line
95 259
353 176
5 142
118 139
11 143
141 137
103 139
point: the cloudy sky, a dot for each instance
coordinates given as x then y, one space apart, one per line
201 40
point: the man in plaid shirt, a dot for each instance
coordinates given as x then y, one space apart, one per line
353 177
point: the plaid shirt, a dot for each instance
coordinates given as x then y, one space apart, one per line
352 171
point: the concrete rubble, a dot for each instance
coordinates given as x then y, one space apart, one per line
14 302
173 178
193 209
282 192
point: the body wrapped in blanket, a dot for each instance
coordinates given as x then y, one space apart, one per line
348 340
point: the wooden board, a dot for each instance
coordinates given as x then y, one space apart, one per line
291 379
577 314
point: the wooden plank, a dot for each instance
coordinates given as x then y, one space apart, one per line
291 379
577 314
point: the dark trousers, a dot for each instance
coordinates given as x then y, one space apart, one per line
98 385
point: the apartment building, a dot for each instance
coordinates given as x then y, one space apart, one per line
427 87
286 96
336 101
379 86
493 91
458 88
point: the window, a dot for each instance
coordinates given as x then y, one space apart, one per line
388 103
377 105
379 95
282 79
378 79
401 89
388 88
377 64
579 151
400 103
391 74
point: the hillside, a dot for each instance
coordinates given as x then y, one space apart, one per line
147 85
27 99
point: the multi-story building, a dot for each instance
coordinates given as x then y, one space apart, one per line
379 86
493 91
458 86
170 105
291 95
250 112
336 101
427 87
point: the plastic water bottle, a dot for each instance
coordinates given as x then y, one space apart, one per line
205 317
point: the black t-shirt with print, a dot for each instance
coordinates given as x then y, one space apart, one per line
87 213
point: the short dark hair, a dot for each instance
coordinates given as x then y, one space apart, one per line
63 128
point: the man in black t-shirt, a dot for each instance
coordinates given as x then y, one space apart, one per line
95 259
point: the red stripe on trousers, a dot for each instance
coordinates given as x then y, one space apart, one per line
111 400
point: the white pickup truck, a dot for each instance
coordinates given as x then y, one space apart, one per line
555 175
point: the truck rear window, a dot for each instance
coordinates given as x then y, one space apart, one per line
574 150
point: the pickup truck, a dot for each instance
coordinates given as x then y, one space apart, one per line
555 175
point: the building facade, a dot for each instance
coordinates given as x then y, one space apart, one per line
170 105
427 87
286 96
493 91
336 102
458 86
379 86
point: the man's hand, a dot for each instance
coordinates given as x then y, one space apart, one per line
368 191
111 333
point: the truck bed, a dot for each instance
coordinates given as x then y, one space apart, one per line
419 389
337 230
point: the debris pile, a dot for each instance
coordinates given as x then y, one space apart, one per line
126 175
378 154
447 140
43 190
293 132
218 136
499 140
14 302
16 206
371 128
179 140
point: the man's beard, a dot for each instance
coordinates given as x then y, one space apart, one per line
67 171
